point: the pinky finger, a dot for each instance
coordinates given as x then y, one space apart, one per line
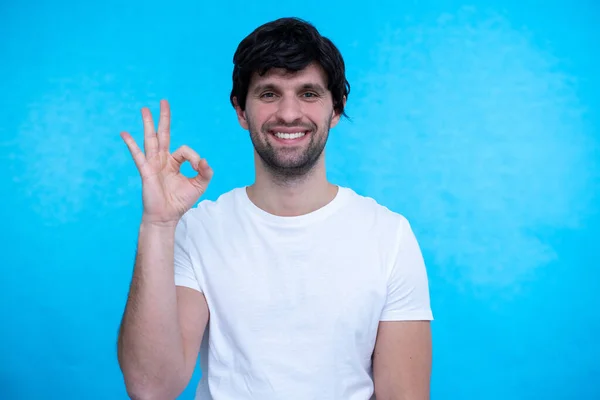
138 156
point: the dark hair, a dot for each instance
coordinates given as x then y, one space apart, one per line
292 44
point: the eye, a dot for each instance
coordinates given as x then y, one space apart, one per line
310 95
267 95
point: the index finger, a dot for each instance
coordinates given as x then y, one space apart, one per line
164 126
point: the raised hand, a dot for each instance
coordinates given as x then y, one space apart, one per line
166 193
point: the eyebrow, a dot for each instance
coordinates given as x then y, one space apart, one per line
307 86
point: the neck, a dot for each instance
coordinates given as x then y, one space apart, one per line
292 196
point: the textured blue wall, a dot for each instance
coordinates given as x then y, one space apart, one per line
478 121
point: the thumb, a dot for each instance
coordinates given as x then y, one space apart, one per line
205 174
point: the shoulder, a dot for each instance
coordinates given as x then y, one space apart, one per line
375 214
383 226
211 210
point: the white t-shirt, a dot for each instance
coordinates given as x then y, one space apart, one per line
295 302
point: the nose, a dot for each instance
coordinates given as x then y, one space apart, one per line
289 110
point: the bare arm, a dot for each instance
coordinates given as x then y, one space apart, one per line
402 360
162 326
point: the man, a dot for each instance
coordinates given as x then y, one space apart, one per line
302 289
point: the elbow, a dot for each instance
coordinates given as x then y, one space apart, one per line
160 382
148 391
145 396
140 386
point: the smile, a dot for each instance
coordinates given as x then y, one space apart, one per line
284 135
289 136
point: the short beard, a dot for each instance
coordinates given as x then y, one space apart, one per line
288 171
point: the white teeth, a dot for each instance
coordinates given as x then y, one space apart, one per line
296 135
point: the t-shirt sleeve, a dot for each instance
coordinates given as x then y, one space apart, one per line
184 269
408 286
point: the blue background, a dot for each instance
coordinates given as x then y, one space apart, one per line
478 121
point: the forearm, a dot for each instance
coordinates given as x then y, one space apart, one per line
150 348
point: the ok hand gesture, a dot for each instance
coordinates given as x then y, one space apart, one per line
166 193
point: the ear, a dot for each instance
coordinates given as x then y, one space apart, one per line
335 118
241 115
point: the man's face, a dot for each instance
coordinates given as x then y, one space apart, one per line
289 116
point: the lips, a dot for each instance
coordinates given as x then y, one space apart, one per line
289 135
